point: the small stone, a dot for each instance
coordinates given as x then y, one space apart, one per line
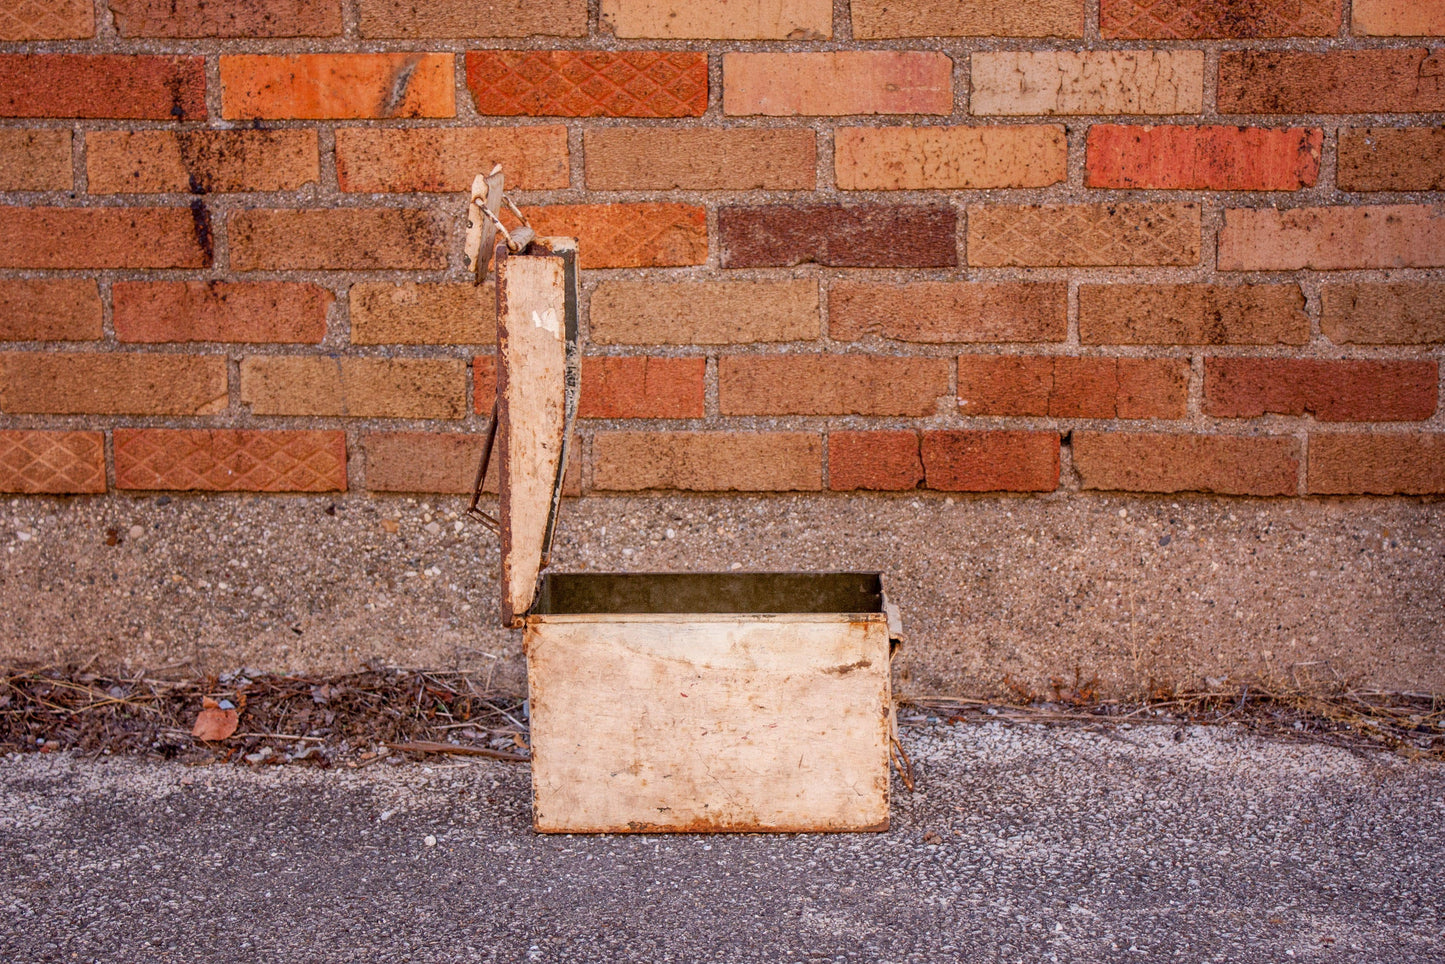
433 528
390 525
430 841
24 536
136 532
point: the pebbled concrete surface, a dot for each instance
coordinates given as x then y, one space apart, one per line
1024 843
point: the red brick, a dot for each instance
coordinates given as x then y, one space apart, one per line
1203 158
105 237
1217 19
103 86
1329 238
448 158
700 159
1223 464
859 236
729 20
354 387
484 383
184 311
337 86
1399 313
956 461
879 19
830 385
1392 159
1334 82
230 460
337 239
423 314
111 383
200 162
60 310
466 18
1261 314
881 461
838 82
52 463
237 18
1398 18
1083 235
628 235
1063 387
1394 464
642 387
588 83
35 160
949 158
707 461
47 19
941 312
1330 390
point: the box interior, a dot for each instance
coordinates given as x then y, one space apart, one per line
611 593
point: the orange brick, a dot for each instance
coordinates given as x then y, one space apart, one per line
465 19
703 312
1333 82
1326 238
830 385
588 83
941 312
448 158
183 311
207 18
642 387
103 86
354 387
878 19
1120 314
1392 159
1073 387
1082 235
59 310
949 158
1399 313
719 19
1331 391
1395 464
105 237
48 20
1224 464
200 162
881 461
1088 82
484 383
52 463
1222 19
109 383
708 461
423 314
1398 18
35 160
700 159
1203 158
628 235
956 461
339 239
838 82
230 460
337 86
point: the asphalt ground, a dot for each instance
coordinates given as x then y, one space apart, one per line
1021 843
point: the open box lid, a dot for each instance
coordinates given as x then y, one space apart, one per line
538 384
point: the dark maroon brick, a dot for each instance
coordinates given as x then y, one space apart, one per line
861 236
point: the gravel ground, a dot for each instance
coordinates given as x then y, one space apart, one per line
1024 843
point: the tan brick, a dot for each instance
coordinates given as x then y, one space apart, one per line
940 312
1088 82
468 18
704 313
955 461
719 19
949 158
200 162
1398 18
1326 238
337 86
1225 19
1405 463
588 83
1123 314
830 385
878 19
207 18
1060 387
47 20
708 461
700 159
339 239
424 462
423 314
1151 462
112 383
230 460
1330 82
104 237
1081 235
1392 159
354 387
881 461
1398 313
642 387
35 160
52 463
375 159
182 311
1332 390
628 235
66 309
837 83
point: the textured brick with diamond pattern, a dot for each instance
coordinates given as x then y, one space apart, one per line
628 235
52 463
1223 19
230 460
588 83
1079 235
46 19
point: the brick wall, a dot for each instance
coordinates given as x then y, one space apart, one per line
974 246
